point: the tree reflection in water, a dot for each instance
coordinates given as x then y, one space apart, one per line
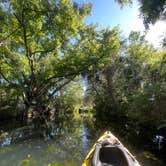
70 142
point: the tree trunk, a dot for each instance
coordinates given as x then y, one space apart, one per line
24 118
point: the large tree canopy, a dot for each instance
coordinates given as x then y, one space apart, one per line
35 39
45 44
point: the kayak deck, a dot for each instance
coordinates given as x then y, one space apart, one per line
109 151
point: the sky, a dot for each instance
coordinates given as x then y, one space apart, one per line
108 13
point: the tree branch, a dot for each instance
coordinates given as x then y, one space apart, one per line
84 69
7 80
43 51
61 86
2 40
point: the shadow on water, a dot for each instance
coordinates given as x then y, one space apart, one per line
68 145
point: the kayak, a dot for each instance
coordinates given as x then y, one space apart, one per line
109 151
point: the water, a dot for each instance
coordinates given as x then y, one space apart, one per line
69 146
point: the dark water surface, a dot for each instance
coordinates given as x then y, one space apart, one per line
68 147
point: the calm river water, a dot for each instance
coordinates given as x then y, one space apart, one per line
69 146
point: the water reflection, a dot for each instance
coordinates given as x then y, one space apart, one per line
70 142
69 145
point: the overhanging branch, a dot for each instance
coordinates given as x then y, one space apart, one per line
75 73
61 86
44 51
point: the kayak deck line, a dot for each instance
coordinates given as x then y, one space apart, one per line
109 151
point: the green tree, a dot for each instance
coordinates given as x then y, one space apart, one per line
145 80
45 45
102 78
38 47
131 84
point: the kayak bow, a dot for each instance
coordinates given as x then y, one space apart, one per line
109 151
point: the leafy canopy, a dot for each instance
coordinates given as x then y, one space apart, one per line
46 44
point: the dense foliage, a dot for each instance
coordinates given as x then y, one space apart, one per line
129 92
46 48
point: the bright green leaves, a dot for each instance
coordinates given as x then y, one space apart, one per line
40 51
36 29
51 38
96 47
